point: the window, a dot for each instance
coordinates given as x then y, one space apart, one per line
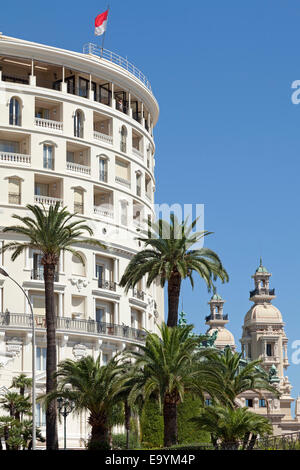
262 403
105 359
249 351
14 112
208 402
100 274
48 161
78 124
123 213
40 415
269 350
100 315
249 402
9 147
123 139
41 358
14 191
103 170
78 201
138 184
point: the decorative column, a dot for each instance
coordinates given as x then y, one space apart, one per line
113 101
63 84
91 91
32 78
129 105
115 273
60 304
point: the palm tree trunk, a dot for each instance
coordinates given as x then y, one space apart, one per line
99 437
127 422
170 423
174 285
252 442
51 412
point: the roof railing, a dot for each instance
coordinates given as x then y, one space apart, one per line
91 48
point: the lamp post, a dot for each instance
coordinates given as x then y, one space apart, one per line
5 273
65 407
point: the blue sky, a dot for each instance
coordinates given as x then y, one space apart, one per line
228 134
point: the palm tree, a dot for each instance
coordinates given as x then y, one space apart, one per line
50 232
229 428
240 375
168 257
22 382
94 388
168 366
15 404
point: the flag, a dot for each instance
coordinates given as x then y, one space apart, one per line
100 23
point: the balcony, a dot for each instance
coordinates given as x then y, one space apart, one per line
216 316
47 200
103 137
107 285
122 181
103 211
262 291
138 294
38 275
76 168
138 153
17 320
48 124
15 158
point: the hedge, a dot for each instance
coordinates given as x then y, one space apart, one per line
152 427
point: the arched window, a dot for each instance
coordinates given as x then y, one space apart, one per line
123 138
78 123
48 157
14 112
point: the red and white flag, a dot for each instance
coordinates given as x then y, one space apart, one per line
100 23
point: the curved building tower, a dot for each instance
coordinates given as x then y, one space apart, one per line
75 128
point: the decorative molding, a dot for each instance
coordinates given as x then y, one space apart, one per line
80 283
79 351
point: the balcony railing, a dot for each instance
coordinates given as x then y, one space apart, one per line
138 294
122 181
262 291
107 285
48 124
86 170
46 200
38 275
216 316
138 153
103 137
99 210
15 158
118 60
19 320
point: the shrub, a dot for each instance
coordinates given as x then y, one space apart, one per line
119 441
188 431
152 426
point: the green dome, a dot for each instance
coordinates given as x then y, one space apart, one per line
216 297
261 268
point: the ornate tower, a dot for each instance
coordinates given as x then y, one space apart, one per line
263 332
217 321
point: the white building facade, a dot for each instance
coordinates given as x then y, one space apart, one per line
75 128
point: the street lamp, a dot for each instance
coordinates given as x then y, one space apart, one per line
5 273
65 407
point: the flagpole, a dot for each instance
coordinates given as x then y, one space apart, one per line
104 33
